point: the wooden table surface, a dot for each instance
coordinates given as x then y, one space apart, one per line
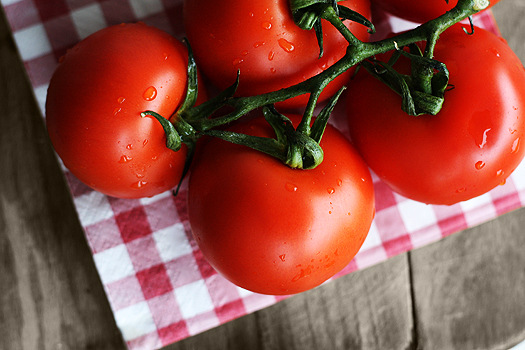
464 292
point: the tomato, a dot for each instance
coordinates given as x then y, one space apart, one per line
418 11
93 108
472 145
260 39
276 230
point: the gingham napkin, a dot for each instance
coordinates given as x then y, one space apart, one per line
159 286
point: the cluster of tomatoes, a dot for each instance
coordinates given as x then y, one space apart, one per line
263 225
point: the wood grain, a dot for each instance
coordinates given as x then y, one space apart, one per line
51 296
463 292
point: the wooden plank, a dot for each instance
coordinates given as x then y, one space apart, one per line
50 293
469 289
369 309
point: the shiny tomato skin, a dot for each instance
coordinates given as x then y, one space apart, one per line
93 108
471 146
418 11
272 229
260 39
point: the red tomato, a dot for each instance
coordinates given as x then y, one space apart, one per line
93 108
260 39
418 11
276 230
472 145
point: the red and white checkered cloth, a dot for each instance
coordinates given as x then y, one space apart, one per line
159 286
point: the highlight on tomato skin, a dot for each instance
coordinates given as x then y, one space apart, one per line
260 39
276 230
94 104
470 147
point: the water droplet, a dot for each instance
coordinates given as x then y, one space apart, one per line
290 187
461 190
154 158
166 56
271 54
483 140
329 212
266 25
138 185
145 142
273 70
512 131
515 146
116 110
339 182
251 14
503 182
258 43
245 52
499 172
237 61
495 51
124 159
130 146
150 93
282 257
479 165
330 190
121 100
286 45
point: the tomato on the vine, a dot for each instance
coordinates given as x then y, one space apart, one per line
471 146
94 104
260 39
418 11
276 230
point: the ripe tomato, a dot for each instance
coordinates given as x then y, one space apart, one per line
260 39
93 108
472 145
273 229
418 11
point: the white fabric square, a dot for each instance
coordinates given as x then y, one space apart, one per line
416 215
32 42
41 95
145 8
373 239
476 202
88 20
93 207
193 299
150 200
113 264
172 242
135 321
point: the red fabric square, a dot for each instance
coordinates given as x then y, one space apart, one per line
204 266
398 245
143 253
47 12
133 224
384 196
21 14
453 224
230 311
41 69
154 281
174 333
507 203
103 235
62 34
117 11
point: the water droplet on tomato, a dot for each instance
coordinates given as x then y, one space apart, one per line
483 140
116 110
330 190
286 45
166 56
150 93
124 159
121 100
258 43
495 51
266 25
237 61
499 172
245 52
479 165
271 55
290 187
154 158
145 142
461 190
339 182
503 182
138 185
273 70
282 257
130 146
515 146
